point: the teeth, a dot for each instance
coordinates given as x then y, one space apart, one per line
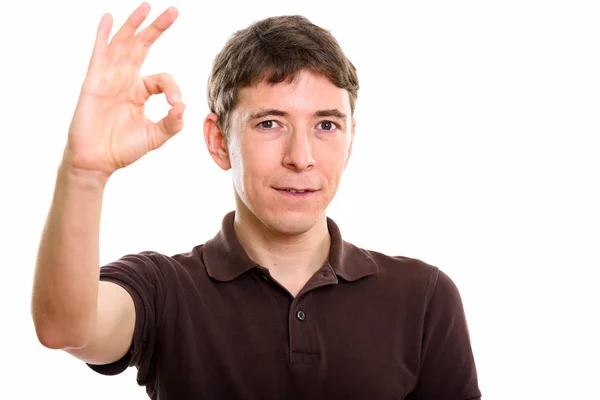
296 191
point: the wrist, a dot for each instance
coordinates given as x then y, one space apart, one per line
83 178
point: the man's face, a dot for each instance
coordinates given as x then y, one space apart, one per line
290 137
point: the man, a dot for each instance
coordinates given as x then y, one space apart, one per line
276 305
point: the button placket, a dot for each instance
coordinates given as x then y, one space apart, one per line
301 331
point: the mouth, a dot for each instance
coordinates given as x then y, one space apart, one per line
296 192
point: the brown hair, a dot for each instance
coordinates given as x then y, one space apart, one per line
273 50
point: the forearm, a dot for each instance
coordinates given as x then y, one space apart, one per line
65 288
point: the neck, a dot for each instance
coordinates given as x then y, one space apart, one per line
286 256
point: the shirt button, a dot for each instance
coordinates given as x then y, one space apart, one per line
301 315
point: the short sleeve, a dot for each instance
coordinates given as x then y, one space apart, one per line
447 367
140 275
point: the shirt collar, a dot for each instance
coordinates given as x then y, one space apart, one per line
225 258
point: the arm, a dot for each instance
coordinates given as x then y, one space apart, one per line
447 368
71 309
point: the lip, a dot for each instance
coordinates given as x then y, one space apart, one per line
296 189
307 193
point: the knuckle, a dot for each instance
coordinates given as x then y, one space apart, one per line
118 41
169 82
165 76
145 42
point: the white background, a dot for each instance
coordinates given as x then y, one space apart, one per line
476 151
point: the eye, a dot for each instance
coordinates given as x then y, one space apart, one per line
268 124
328 125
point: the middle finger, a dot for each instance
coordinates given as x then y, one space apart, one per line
132 23
152 32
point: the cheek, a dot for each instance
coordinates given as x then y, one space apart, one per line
255 165
238 167
332 162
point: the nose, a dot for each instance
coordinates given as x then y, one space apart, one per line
299 152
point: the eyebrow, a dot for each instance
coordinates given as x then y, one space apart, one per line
334 112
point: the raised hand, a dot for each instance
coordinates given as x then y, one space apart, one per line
109 129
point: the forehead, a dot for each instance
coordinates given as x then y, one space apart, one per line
305 94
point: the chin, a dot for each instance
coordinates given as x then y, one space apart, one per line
281 218
290 223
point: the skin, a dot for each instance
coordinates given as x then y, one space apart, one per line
71 309
94 321
303 141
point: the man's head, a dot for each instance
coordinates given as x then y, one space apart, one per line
282 96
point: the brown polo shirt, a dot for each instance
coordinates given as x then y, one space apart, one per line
212 324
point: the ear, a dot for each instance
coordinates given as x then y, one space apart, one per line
351 142
216 142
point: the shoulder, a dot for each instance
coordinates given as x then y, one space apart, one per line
407 269
414 277
154 266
